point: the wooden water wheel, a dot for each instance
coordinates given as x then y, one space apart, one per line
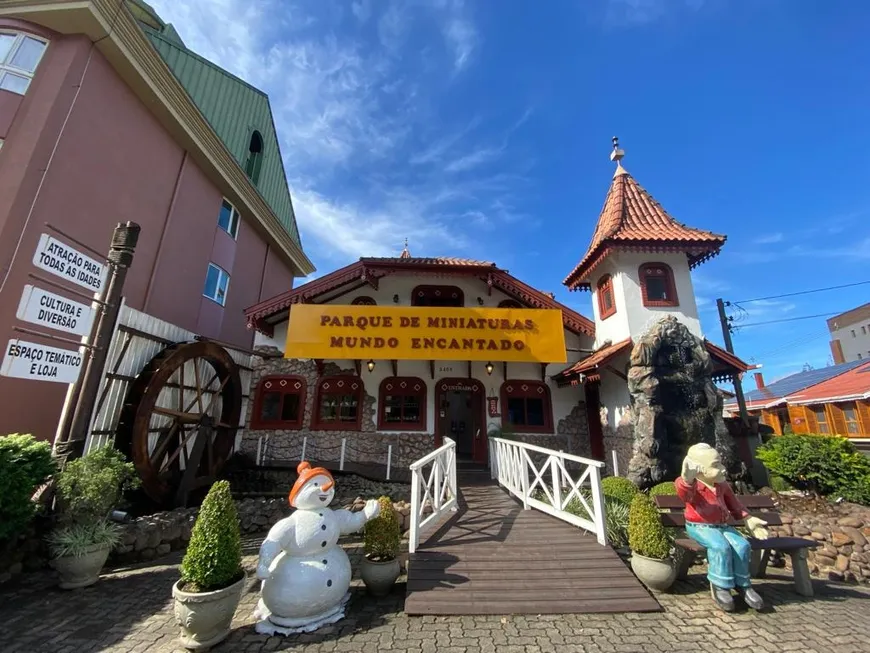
179 420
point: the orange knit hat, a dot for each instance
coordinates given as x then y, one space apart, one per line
306 473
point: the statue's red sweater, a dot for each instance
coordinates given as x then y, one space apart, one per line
706 505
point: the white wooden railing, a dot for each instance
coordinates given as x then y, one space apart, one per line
511 463
437 486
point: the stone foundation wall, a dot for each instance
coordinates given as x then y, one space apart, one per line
146 538
844 537
621 440
364 446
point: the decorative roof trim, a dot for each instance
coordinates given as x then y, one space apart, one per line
591 363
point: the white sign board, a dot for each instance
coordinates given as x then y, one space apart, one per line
67 263
44 308
28 360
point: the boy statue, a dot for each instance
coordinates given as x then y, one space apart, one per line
710 505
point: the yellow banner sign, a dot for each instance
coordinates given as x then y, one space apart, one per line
417 333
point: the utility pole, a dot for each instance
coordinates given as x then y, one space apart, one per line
729 346
124 239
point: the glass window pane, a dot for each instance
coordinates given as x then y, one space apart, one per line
28 54
225 217
6 41
411 410
534 411
347 408
393 408
608 298
852 427
211 282
849 412
235 224
269 406
328 405
223 283
14 83
290 408
516 409
656 289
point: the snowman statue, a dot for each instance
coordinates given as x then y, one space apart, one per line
305 574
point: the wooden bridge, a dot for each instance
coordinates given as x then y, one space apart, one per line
492 556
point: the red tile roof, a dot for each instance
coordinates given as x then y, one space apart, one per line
854 384
631 218
592 362
726 358
436 260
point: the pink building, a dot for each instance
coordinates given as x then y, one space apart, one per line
105 117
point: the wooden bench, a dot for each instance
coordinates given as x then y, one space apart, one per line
671 509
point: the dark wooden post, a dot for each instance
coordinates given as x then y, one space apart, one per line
729 346
124 239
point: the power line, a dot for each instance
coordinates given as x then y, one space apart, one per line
769 353
789 319
802 292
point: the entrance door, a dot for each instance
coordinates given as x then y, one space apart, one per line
460 418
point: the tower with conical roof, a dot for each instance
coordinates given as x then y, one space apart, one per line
638 262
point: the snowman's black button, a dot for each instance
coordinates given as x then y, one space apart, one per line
323 543
329 583
323 528
324 562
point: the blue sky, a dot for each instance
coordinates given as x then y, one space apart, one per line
482 129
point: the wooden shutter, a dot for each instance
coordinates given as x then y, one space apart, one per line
838 421
812 422
864 417
798 417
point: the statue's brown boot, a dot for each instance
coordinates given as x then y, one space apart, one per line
751 597
723 598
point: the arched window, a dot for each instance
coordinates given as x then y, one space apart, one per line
437 296
20 54
339 404
606 300
279 403
526 406
509 303
402 404
657 285
364 300
255 157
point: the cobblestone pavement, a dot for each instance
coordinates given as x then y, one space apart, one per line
130 610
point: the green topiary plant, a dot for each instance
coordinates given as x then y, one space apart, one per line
646 534
667 489
382 533
213 559
25 464
619 488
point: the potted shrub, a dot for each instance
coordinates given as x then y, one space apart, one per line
380 565
88 489
212 579
650 545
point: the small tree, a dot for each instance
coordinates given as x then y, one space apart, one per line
382 533
214 556
667 489
646 534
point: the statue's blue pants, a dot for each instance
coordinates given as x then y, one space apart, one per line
728 554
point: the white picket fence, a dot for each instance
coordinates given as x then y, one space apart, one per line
548 476
433 483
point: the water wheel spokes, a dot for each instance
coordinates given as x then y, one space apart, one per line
179 430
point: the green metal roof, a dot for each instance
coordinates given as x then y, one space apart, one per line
234 109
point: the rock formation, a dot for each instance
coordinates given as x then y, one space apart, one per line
674 404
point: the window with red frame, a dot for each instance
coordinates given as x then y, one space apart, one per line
657 284
339 403
526 406
280 403
606 302
364 300
509 303
402 404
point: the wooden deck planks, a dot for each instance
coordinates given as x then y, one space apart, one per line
492 557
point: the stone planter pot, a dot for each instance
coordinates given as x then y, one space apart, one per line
657 575
83 570
379 577
205 617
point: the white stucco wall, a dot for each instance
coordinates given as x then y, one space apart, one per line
563 399
632 318
614 391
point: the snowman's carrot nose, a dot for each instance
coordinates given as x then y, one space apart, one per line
327 486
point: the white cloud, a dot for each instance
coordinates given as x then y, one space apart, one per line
355 101
642 12
769 239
